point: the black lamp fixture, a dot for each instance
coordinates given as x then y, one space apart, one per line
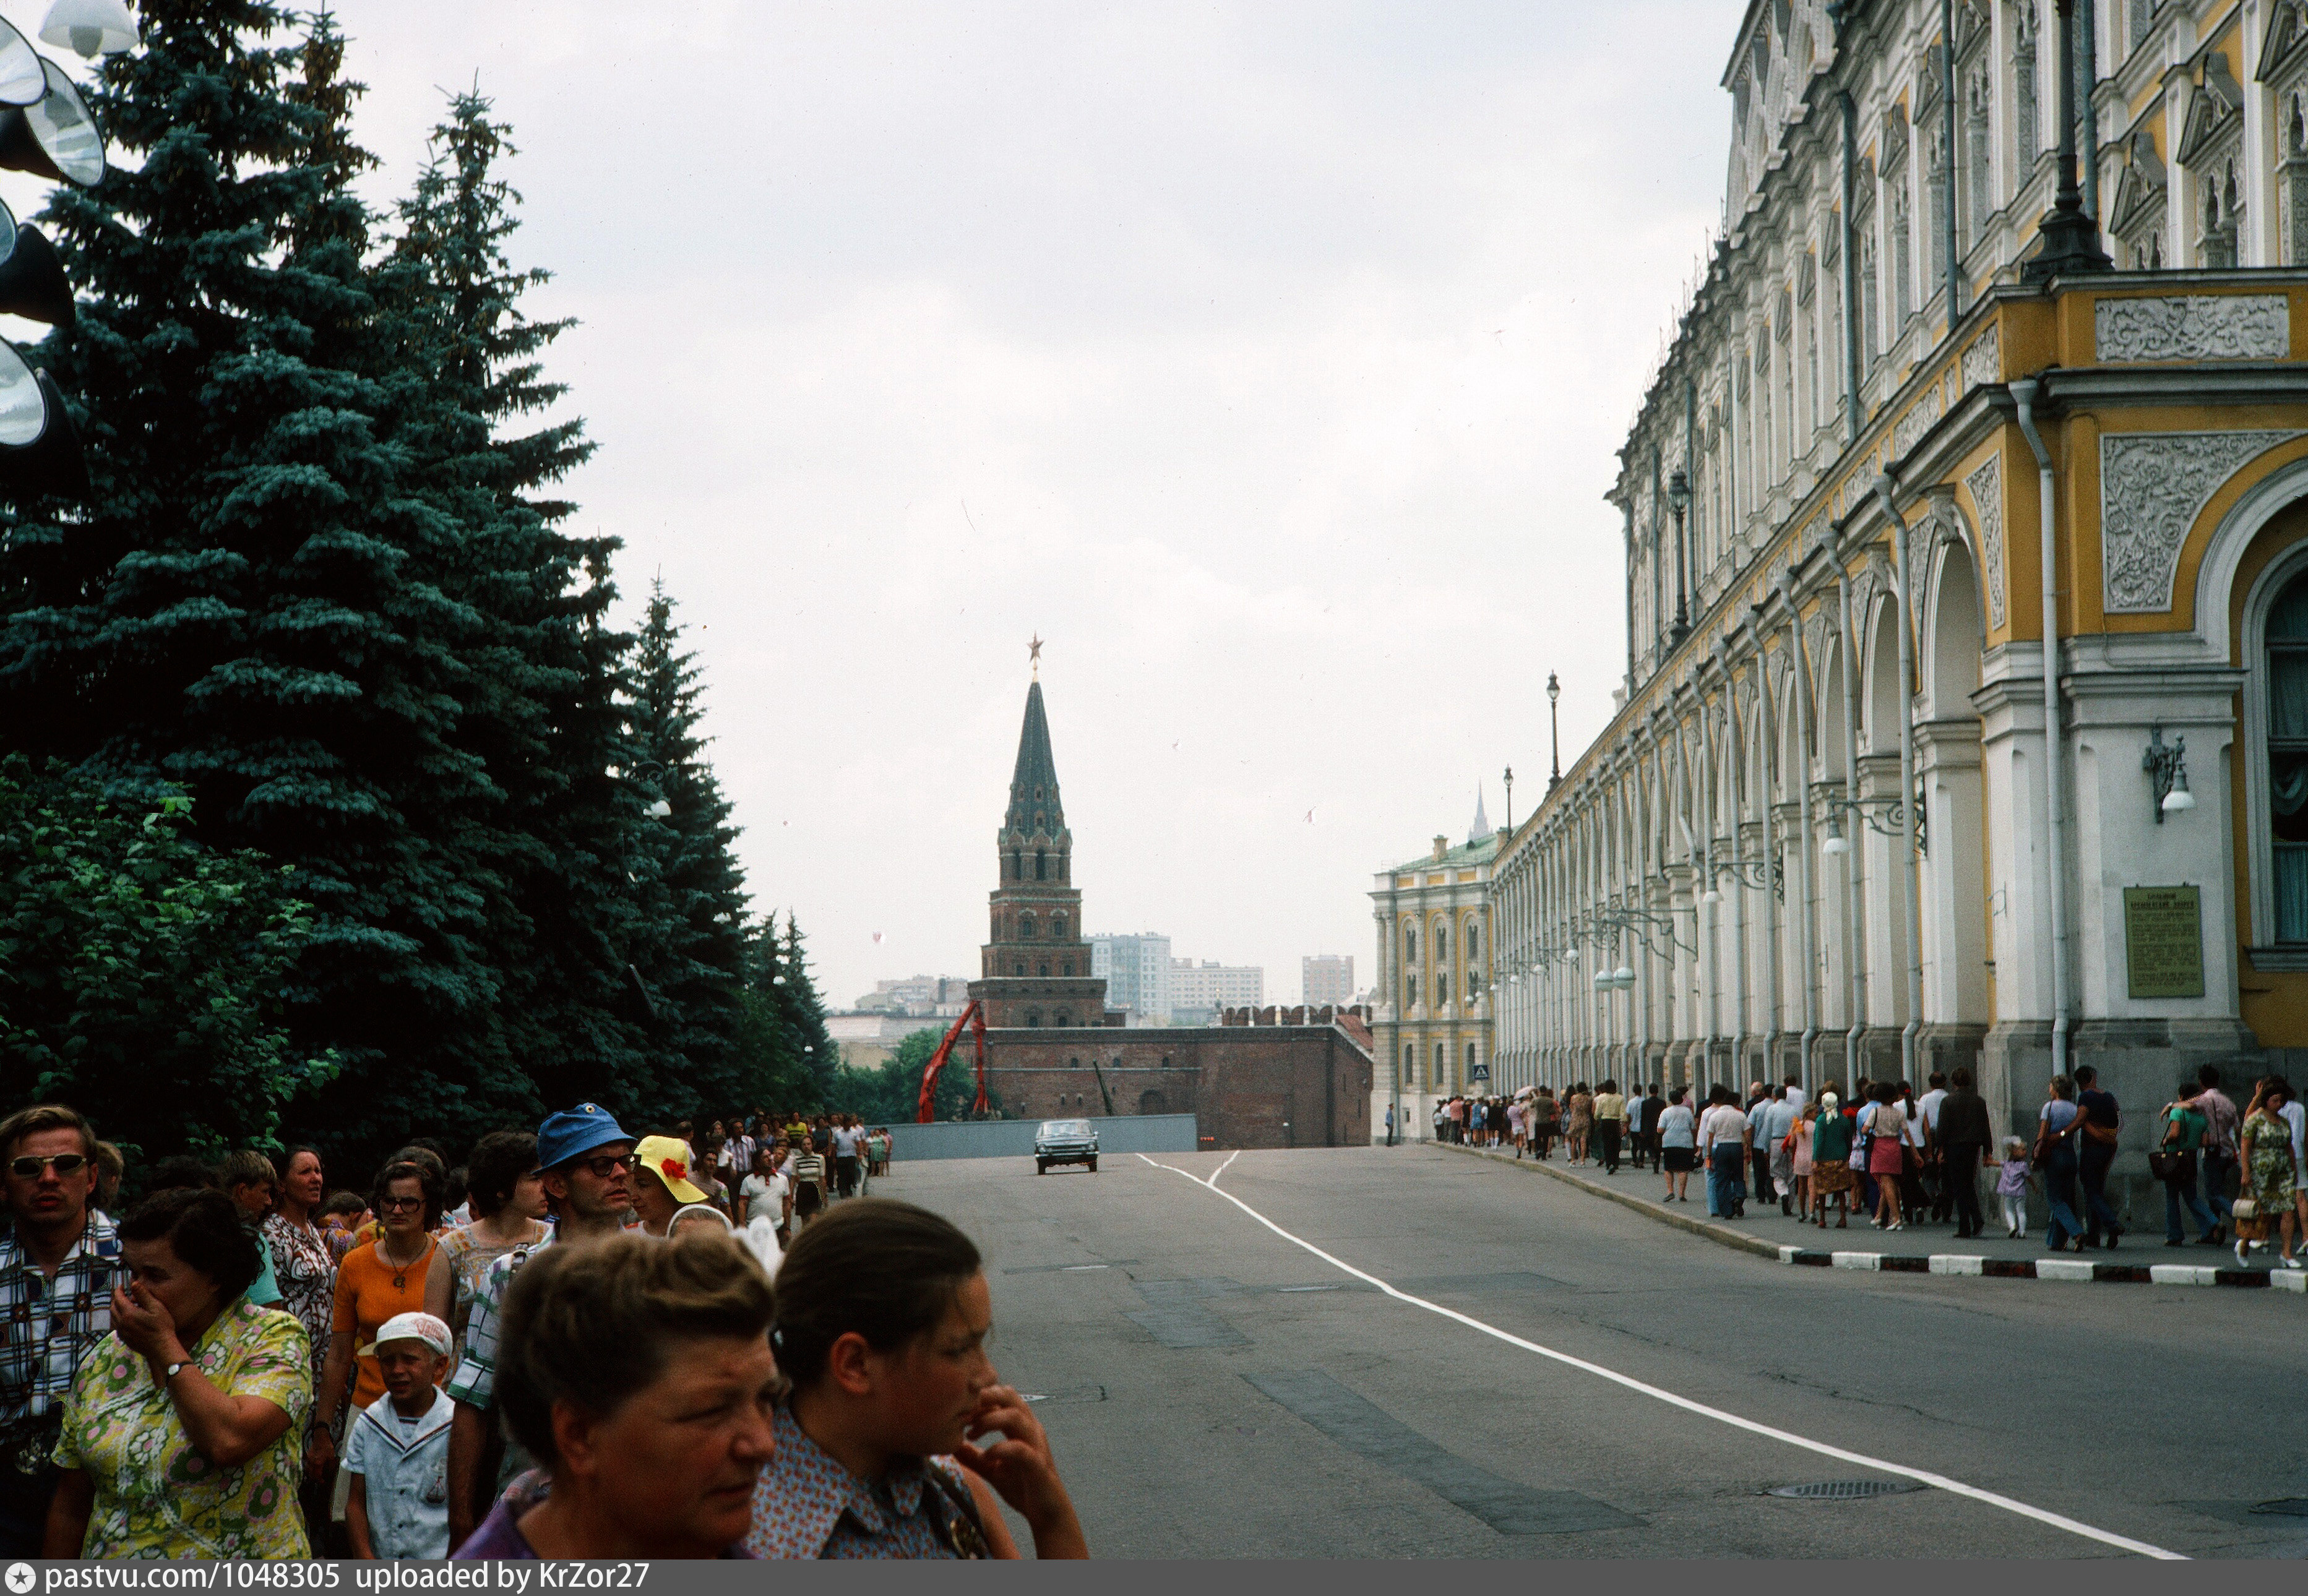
2069 233
1553 733
1678 499
2167 774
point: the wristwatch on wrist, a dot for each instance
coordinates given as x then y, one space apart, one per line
169 1373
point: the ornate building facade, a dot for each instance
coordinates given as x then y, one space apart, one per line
1432 1027
1914 424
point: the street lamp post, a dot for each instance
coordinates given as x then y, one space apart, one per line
1553 733
1678 500
1510 778
2071 234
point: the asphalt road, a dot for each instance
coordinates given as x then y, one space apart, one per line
1214 1390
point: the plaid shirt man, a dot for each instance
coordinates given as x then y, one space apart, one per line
47 1326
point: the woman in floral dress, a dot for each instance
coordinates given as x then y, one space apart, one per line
2269 1179
181 1432
304 1269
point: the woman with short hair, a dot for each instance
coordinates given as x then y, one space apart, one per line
637 1374
378 1281
883 1313
2270 1178
507 1192
180 1437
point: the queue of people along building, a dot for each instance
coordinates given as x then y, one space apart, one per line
1825 833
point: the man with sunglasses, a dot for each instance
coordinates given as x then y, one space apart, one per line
58 1264
586 1166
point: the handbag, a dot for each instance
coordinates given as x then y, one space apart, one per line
2166 1164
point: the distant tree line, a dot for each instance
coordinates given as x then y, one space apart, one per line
339 807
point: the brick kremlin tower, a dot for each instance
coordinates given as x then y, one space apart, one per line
1035 967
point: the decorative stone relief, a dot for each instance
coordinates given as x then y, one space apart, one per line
2152 488
1917 422
1983 362
1986 486
2193 327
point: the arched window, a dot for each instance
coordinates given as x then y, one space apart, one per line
1442 1064
1041 865
1470 1060
2287 757
1409 1063
1017 865
1021 966
1473 942
1411 991
1034 1018
1058 927
1043 969
1063 1019
1410 944
1026 925
1441 943
1066 967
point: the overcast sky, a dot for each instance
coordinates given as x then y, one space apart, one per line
1267 359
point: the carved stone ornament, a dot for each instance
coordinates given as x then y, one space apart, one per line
2152 488
1983 362
2193 327
1918 421
1986 486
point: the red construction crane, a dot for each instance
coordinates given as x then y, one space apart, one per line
974 1016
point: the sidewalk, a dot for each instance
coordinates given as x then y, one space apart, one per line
2140 1257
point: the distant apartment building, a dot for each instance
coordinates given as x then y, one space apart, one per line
1326 978
1198 991
1137 973
924 997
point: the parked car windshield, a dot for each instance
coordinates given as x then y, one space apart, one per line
1065 1127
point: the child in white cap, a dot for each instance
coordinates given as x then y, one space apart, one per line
398 1452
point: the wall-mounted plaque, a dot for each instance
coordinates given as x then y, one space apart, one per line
2164 941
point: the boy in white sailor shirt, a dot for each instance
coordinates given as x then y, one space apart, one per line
397 1452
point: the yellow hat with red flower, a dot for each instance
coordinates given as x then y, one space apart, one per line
667 1158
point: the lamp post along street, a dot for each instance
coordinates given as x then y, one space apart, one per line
1678 500
2070 235
1553 733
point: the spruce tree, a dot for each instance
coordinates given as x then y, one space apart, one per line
693 894
801 1013
568 837
249 605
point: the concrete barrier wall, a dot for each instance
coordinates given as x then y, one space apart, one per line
1014 1139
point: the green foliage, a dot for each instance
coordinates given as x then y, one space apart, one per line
691 893
321 590
141 973
892 1093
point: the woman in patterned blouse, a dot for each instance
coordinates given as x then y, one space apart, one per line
181 1435
304 1269
882 1312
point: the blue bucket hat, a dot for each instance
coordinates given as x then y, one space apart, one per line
576 1131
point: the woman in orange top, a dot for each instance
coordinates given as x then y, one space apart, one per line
377 1280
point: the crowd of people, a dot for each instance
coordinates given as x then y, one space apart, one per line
576 1342
1899 1156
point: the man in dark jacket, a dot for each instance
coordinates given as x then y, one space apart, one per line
1963 1135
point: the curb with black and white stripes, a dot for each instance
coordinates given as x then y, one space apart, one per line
2069 1269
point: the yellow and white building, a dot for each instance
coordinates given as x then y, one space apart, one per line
1827 832
1432 1008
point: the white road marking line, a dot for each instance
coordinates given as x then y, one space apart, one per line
1940 1482
1213 1181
